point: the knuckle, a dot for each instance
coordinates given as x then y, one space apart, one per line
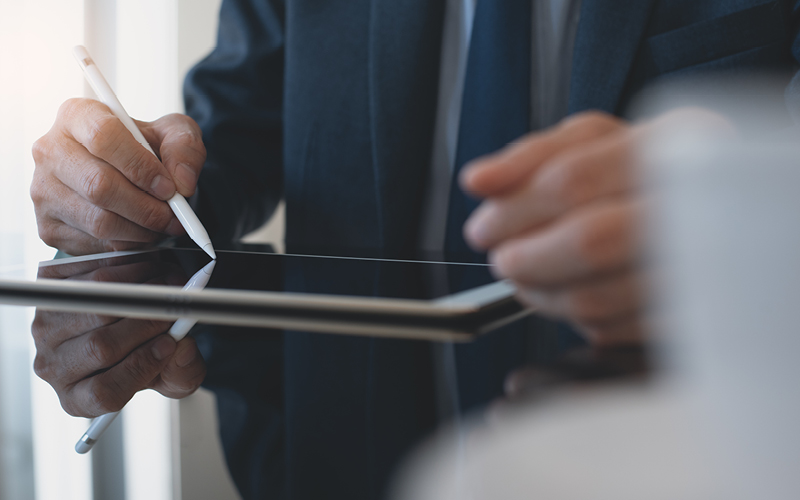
142 367
183 121
105 397
185 383
194 384
70 108
100 350
98 187
100 223
157 217
110 246
189 385
101 139
189 143
37 191
183 126
47 231
42 367
141 168
197 130
193 140
41 328
43 187
569 182
38 326
191 132
70 407
47 236
41 150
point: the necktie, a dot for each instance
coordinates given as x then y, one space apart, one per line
496 103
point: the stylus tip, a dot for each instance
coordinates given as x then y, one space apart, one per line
210 251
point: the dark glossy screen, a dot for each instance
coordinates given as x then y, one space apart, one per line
249 270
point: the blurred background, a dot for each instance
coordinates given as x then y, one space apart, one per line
160 449
719 422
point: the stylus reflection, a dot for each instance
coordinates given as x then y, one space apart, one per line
75 351
178 331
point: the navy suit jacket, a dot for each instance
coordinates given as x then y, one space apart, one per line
330 105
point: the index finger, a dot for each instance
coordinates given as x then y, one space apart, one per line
179 142
588 172
104 136
502 172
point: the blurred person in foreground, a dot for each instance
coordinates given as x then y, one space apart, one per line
381 124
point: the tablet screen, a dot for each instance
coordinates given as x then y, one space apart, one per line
260 271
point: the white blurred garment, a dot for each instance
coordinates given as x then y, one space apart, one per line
623 443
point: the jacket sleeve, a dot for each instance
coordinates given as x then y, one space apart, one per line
235 94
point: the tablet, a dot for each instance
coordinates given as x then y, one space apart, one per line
246 287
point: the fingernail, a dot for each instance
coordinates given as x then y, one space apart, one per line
496 261
186 357
186 175
162 187
477 231
482 221
465 178
163 348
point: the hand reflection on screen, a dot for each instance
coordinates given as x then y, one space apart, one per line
97 363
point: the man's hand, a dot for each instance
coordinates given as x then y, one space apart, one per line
560 220
97 363
96 189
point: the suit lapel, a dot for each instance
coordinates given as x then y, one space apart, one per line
405 45
609 34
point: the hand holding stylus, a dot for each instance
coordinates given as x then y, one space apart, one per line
97 188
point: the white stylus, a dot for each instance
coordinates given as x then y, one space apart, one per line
178 203
178 331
